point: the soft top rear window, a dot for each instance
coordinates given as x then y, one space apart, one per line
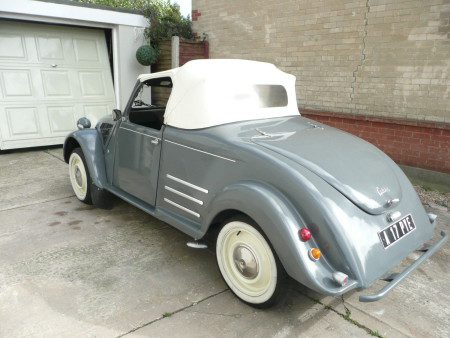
261 96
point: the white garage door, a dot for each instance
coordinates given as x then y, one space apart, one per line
49 77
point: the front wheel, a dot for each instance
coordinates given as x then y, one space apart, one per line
248 264
79 176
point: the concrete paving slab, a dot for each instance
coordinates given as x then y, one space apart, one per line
225 316
31 176
56 152
358 316
70 268
417 307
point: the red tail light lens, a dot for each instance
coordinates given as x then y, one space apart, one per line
304 234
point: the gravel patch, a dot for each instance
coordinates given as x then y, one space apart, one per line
434 199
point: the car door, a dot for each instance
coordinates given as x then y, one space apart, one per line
138 150
137 160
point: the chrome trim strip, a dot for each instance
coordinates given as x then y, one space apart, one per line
179 193
137 132
190 185
189 211
202 151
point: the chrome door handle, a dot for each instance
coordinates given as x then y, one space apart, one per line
154 141
54 65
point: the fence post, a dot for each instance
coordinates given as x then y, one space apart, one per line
175 51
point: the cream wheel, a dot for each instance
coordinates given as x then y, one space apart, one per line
79 176
247 263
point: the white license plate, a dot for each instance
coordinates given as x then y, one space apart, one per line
396 231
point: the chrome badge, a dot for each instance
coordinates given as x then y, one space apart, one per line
382 191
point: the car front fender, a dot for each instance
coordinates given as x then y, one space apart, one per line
280 221
91 144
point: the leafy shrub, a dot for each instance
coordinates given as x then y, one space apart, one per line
165 18
147 55
166 21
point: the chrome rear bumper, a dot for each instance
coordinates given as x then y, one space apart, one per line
402 275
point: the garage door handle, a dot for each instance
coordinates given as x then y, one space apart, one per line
154 141
54 65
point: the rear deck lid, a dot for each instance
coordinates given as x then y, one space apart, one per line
354 167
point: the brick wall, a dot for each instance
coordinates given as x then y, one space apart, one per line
380 66
191 50
371 57
414 143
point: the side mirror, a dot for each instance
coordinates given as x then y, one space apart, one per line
116 114
83 123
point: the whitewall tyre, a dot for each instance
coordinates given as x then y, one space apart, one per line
248 264
79 176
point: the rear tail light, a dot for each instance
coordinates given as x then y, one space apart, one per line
304 234
340 278
315 254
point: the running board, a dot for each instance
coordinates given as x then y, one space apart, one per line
197 245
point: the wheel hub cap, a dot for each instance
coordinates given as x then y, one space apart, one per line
245 261
78 178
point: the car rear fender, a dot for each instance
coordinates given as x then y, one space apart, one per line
90 142
280 221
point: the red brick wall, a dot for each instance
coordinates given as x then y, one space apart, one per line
190 50
413 143
196 14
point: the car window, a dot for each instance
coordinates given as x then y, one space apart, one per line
149 104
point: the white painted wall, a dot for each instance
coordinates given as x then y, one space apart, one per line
129 40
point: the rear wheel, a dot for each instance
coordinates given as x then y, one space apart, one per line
79 176
248 264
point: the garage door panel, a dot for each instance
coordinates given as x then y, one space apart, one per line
12 47
92 83
16 82
23 121
56 83
50 48
95 111
62 119
86 50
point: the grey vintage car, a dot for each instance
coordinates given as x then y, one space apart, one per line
218 147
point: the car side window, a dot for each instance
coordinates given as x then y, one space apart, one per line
149 103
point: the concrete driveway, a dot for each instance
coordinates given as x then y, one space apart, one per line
67 269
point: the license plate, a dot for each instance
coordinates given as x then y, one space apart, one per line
396 231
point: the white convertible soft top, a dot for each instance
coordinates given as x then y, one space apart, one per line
212 92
